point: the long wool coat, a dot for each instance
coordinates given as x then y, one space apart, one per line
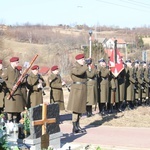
92 86
103 84
78 94
2 91
113 95
35 96
147 81
56 91
16 103
130 81
121 85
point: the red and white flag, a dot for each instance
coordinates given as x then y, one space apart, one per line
115 62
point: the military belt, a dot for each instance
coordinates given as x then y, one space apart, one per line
79 82
104 78
91 79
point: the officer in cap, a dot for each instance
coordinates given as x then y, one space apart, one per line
129 84
136 76
78 93
103 82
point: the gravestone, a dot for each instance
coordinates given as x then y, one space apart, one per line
36 114
35 138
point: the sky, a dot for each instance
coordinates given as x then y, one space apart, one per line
121 13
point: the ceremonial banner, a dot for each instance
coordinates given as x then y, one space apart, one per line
115 61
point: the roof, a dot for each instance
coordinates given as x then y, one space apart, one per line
43 70
119 41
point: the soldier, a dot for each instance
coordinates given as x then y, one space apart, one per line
144 89
78 94
23 86
91 87
140 83
147 83
113 93
121 87
103 73
2 88
130 81
35 84
56 84
15 105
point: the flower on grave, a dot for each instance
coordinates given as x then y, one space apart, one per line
3 142
25 121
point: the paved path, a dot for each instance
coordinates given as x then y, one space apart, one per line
109 138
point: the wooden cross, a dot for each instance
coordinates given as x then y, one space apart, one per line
44 120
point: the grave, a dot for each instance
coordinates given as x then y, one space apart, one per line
44 128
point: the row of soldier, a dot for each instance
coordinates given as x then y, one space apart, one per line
129 89
91 85
28 93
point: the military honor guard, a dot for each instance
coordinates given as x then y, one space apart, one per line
78 94
103 73
23 86
129 84
15 104
91 87
56 83
147 83
2 88
35 85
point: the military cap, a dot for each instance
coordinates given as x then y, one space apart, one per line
143 62
1 61
54 68
35 67
79 56
136 61
101 60
13 59
19 68
128 61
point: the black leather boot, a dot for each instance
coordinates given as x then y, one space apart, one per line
102 109
75 129
110 108
79 128
87 111
118 108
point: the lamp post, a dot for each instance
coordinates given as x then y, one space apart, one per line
90 39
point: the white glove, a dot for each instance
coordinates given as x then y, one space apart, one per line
63 83
39 85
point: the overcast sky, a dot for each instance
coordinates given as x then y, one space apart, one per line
122 13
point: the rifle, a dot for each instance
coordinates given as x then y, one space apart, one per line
67 86
40 81
21 78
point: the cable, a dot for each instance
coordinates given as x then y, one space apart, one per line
122 6
137 4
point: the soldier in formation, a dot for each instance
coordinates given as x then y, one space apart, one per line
35 85
15 104
56 83
78 94
91 87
